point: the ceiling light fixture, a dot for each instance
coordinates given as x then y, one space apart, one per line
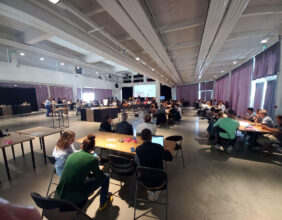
97 72
41 58
137 58
264 41
234 62
22 54
162 75
222 71
54 1
78 67
153 69
62 64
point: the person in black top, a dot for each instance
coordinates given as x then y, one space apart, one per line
59 101
106 124
150 154
124 127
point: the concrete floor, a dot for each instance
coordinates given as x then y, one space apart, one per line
213 185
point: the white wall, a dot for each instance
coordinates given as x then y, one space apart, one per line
27 74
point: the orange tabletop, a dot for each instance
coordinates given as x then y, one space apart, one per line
247 126
112 141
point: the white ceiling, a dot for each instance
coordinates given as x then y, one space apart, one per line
177 41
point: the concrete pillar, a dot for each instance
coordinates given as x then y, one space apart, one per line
173 93
74 90
158 92
278 110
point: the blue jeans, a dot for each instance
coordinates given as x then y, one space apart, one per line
48 110
94 184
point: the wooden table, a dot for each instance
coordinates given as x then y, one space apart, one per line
111 141
41 132
11 140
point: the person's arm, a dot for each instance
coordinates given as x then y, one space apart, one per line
167 155
274 130
95 169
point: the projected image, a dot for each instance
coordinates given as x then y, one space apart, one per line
88 97
145 91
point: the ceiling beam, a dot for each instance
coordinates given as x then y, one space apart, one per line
33 36
250 34
138 15
44 20
191 23
262 10
215 15
95 12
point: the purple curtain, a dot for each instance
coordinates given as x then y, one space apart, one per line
269 101
100 94
258 95
188 92
206 85
208 95
267 62
61 92
221 88
203 95
240 87
41 91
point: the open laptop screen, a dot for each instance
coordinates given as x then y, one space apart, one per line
158 140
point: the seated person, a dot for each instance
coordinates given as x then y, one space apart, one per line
230 125
266 140
250 115
106 124
150 154
124 127
264 119
161 114
62 150
222 106
178 108
174 114
146 124
82 176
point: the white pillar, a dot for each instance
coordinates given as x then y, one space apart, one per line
49 93
278 110
74 90
229 84
158 91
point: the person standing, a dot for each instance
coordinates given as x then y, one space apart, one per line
48 106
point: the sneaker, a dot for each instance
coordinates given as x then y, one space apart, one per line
279 149
108 202
229 149
153 195
217 146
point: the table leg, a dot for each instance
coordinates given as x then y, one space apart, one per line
40 143
6 163
32 153
44 150
22 149
13 151
61 132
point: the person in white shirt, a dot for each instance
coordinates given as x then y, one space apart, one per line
146 124
222 107
48 106
62 150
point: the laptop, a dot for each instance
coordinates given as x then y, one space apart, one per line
158 140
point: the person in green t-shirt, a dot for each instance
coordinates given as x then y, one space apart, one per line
82 176
230 125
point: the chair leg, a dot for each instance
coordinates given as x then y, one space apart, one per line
135 196
182 159
166 204
50 183
176 153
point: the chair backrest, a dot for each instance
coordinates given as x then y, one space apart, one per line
151 178
176 138
221 130
51 160
121 165
50 203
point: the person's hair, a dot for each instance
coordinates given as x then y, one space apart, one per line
212 109
231 112
124 116
250 109
63 142
263 112
88 143
147 118
106 118
279 117
146 134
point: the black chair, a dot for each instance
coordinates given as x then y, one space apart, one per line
151 179
223 142
52 161
47 203
122 167
178 139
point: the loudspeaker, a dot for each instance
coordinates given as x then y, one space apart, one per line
116 85
78 70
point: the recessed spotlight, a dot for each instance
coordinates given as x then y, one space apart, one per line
62 64
78 67
234 62
222 71
22 54
54 1
214 76
162 75
42 58
137 58
153 69
264 41
96 72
